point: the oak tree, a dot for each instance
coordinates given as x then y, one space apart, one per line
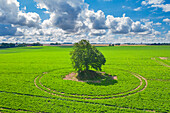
85 56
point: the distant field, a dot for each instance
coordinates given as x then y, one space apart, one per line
31 80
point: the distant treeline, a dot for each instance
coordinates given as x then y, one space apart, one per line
11 45
159 44
147 44
117 44
55 43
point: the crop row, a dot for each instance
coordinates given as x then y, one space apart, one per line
20 66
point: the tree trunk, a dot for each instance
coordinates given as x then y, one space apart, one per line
87 68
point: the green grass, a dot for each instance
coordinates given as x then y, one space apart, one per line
20 66
125 83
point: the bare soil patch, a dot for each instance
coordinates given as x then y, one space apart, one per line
163 58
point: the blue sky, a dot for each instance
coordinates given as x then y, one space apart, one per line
118 7
102 21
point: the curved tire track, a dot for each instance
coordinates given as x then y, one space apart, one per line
109 105
61 94
135 74
160 62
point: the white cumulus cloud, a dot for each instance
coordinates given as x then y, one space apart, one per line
75 17
138 27
97 32
120 25
137 9
10 14
165 7
157 3
63 13
69 21
149 2
94 20
167 20
158 24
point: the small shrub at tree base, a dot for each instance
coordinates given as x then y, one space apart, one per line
85 56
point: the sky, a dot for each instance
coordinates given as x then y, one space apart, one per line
99 21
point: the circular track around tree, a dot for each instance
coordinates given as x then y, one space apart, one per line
139 88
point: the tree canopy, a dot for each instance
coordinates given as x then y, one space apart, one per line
85 56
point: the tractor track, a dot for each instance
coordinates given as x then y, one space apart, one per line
52 92
79 101
160 62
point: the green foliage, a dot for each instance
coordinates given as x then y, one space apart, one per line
55 43
7 45
106 87
20 66
85 56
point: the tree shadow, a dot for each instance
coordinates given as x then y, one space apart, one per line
106 81
98 78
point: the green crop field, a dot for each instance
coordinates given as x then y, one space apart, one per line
31 80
